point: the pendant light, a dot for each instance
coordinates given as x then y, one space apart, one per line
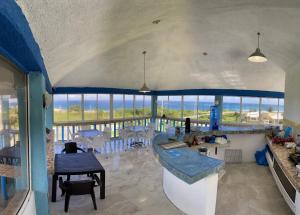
144 88
257 56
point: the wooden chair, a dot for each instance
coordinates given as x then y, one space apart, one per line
82 187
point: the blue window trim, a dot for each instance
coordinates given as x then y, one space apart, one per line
17 43
221 92
95 90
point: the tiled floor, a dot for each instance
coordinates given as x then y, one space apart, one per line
134 186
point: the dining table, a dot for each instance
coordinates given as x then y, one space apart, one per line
84 163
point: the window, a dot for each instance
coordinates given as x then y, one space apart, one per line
174 107
128 104
118 106
250 109
231 109
269 110
103 106
60 103
90 107
162 105
139 106
204 104
13 137
75 109
190 107
147 106
281 110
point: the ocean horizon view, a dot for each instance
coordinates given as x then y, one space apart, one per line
174 105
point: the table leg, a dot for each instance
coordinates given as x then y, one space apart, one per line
102 186
54 185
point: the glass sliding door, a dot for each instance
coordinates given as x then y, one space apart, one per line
90 107
128 106
250 110
13 138
74 107
174 107
281 110
162 105
118 106
231 109
269 110
103 106
190 107
60 103
147 106
139 106
204 104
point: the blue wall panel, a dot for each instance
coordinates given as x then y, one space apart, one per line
38 147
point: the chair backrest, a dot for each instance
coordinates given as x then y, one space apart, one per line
71 147
107 132
81 187
99 141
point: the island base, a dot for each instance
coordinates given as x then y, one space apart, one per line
198 198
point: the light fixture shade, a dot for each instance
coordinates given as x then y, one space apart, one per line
144 89
257 57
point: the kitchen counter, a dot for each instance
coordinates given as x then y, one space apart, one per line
190 180
185 163
281 154
224 129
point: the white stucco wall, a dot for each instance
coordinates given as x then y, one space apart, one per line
292 96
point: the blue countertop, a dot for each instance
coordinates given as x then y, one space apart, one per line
186 164
236 129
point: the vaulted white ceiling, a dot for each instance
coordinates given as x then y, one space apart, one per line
99 43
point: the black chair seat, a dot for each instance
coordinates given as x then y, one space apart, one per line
81 187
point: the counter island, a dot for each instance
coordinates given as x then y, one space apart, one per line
190 180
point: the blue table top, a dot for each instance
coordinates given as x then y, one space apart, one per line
186 164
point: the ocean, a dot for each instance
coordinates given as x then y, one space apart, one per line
174 105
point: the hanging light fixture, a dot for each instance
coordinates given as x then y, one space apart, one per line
257 56
144 88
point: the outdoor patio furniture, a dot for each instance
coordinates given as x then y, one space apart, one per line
78 164
136 133
98 142
82 187
71 147
150 131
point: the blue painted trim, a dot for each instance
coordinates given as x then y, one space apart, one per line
17 43
39 177
95 90
220 92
